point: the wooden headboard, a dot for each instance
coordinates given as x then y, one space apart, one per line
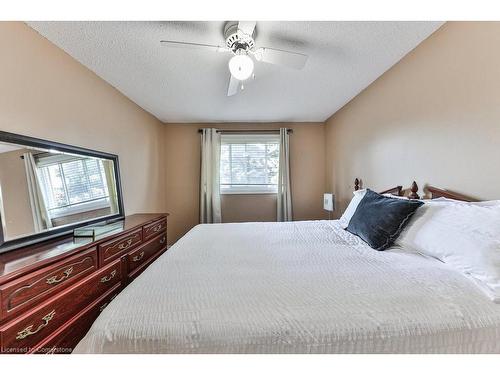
440 193
433 191
397 190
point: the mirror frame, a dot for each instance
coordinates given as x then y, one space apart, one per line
23 140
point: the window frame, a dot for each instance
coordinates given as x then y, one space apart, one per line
248 189
78 207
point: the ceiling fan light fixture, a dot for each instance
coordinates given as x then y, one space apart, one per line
241 66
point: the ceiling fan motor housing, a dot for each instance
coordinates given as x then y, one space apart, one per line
236 40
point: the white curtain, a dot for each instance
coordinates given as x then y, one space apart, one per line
284 191
210 211
41 217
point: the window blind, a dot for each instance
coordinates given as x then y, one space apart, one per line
249 163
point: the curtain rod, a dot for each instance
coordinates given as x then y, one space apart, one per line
289 131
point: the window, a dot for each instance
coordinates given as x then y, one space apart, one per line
249 164
72 185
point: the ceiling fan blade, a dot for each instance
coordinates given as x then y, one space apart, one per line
279 57
247 27
175 44
233 87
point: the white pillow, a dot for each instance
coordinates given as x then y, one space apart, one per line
480 203
464 236
351 208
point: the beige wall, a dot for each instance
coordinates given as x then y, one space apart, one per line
248 207
434 118
182 154
17 217
45 93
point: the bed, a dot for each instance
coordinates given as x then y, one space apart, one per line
294 287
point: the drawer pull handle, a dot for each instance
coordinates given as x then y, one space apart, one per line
138 257
125 245
28 330
105 279
157 228
162 241
55 280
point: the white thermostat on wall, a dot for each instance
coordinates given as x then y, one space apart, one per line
329 202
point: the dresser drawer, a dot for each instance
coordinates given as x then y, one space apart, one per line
24 333
113 249
153 229
25 292
65 339
141 255
132 275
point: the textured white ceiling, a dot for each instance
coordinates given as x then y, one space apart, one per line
182 85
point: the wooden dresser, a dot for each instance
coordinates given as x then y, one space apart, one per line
51 292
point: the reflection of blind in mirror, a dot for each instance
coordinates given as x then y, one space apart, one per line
67 184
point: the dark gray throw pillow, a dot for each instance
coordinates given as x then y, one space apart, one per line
378 220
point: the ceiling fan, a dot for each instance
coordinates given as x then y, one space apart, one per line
240 41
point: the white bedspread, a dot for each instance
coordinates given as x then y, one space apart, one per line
296 287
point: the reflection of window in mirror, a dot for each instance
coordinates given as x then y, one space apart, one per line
75 188
50 189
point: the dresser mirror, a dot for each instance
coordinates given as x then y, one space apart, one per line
47 189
